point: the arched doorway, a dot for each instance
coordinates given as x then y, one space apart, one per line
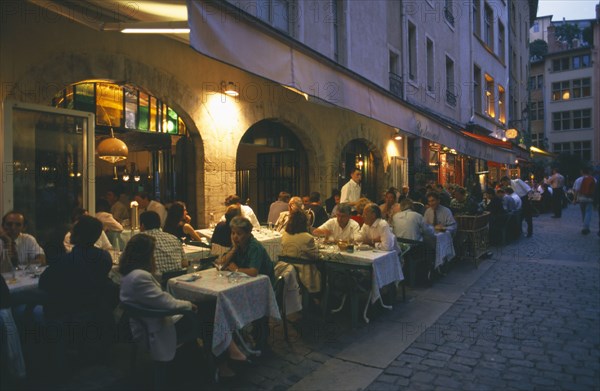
358 154
161 151
270 159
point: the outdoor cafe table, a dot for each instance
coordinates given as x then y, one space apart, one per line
444 248
238 303
384 265
271 240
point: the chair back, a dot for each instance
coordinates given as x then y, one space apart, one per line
296 260
206 263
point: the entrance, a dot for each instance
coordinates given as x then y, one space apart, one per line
51 165
356 154
270 159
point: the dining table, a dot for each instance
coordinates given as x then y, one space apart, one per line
240 299
270 240
384 267
444 248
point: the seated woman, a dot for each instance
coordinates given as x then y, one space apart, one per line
297 242
178 222
221 239
139 287
247 254
295 204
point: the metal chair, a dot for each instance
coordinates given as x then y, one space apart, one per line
414 257
280 297
139 313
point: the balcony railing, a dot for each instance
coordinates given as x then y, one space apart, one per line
396 85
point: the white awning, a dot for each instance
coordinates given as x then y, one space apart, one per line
222 34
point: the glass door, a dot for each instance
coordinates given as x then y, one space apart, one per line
48 170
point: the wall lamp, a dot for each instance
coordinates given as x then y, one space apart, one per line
230 88
397 136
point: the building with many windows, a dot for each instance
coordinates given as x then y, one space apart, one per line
562 97
258 97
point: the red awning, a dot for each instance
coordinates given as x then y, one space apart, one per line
489 140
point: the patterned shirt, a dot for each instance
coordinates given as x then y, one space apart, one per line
168 253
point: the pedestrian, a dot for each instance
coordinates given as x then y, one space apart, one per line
557 182
584 188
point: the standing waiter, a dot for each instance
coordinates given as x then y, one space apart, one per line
557 182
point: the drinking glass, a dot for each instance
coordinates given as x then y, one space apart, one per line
183 238
358 244
219 268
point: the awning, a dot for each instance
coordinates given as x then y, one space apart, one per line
225 33
540 152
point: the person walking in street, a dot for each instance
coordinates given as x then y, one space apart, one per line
557 182
584 188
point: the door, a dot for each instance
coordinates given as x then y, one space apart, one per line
49 170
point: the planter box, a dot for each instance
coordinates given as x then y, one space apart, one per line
472 223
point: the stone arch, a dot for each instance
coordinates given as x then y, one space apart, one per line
42 81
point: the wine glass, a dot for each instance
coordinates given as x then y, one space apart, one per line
359 243
183 238
219 268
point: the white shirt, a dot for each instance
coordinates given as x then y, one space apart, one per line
159 208
119 211
102 242
350 192
517 199
521 188
339 233
379 230
108 222
444 217
409 224
27 248
248 213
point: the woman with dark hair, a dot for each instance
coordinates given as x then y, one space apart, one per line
178 222
297 242
139 287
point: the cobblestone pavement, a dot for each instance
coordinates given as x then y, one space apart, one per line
527 318
531 322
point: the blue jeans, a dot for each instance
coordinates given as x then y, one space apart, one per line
586 212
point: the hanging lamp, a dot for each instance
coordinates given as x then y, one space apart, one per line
112 149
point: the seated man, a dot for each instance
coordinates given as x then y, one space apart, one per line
461 204
342 227
22 247
146 204
408 224
375 230
169 254
508 203
390 206
119 210
247 255
511 193
247 211
439 216
281 205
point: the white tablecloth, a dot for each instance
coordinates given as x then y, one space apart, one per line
238 303
444 248
23 281
386 266
270 240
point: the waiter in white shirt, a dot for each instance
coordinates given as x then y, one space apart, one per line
351 190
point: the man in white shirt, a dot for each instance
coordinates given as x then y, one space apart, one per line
22 247
557 182
439 216
145 204
342 227
408 224
247 211
376 231
119 210
511 193
351 190
281 205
